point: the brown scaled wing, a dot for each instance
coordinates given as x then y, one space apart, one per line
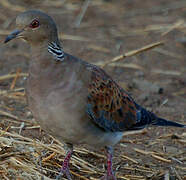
108 105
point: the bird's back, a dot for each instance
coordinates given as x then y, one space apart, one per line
111 108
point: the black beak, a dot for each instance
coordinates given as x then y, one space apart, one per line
13 35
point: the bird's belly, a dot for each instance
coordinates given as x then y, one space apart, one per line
61 112
70 123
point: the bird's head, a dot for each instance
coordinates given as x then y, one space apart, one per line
35 27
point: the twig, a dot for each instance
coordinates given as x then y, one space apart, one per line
164 102
9 76
174 26
82 13
130 159
73 37
177 175
15 79
49 157
11 6
133 52
142 131
160 158
3 113
167 72
137 169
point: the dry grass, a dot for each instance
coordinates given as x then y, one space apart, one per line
25 156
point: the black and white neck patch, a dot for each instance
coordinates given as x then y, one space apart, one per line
56 51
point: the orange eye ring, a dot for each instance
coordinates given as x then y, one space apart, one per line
34 24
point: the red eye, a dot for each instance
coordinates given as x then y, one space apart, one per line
34 24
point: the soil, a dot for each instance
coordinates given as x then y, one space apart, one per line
155 78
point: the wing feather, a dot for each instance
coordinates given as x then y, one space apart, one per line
108 105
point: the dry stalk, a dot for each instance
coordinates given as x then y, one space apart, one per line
138 169
174 26
11 6
15 79
131 53
9 76
130 159
82 13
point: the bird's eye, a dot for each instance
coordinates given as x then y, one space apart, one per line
34 24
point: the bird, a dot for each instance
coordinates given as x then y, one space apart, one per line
75 101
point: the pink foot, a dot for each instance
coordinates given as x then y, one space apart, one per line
110 174
65 167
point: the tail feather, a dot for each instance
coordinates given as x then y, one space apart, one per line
146 118
164 122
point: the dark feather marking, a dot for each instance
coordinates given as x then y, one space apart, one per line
120 112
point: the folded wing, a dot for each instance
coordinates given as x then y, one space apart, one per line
108 105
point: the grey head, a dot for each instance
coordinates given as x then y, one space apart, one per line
36 27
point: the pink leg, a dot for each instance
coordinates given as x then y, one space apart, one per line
65 167
110 174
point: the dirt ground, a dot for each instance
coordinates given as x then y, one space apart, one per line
155 78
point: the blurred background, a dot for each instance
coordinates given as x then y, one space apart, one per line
98 31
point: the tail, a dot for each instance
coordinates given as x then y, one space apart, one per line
164 122
146 118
